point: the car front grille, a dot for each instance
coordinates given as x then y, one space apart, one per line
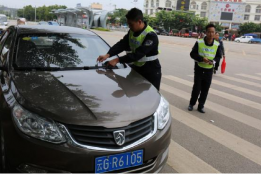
103 137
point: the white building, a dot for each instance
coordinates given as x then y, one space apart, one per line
228 13
152 6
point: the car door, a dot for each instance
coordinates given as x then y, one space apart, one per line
243 39
248 38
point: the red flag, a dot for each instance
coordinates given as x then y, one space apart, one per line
223 66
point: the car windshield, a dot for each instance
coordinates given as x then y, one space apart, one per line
59 50
3 19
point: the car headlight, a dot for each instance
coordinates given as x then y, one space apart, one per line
36 126
163 113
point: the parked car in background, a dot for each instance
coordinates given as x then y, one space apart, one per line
163 32
194 34
43 23
61 112
160 31
174 32
3 20
255 40
53 23
243 39
184 32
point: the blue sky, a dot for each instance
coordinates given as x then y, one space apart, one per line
107 4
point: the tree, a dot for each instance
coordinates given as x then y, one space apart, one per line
118 16
42 13
201 23
249 27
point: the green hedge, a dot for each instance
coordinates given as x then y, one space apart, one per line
101 29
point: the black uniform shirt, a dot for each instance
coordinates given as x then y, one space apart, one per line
148 48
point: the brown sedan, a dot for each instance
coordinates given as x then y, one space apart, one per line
60 111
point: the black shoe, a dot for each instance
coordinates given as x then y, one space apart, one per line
190 107
201 110
215 71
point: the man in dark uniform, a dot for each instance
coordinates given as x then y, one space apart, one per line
141 44
203 52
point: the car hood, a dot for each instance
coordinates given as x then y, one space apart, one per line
110 98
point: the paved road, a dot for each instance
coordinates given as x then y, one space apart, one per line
227 138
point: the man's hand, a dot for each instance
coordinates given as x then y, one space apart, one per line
114 62
205 60
103 58
224 57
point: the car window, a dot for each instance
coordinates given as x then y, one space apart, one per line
3 38
59 50
6 46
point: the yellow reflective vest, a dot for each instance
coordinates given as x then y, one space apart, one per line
136 42
207 51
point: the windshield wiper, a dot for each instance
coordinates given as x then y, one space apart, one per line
51 68
104 66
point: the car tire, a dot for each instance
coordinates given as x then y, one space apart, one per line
237 41
250 42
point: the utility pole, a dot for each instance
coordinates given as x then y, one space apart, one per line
35 13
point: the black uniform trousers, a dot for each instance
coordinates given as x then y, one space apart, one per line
202 82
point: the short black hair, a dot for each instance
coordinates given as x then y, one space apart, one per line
134 14
210 26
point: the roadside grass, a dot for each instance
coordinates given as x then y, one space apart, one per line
101 29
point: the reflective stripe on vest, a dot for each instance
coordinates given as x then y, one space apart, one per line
136 42
207 51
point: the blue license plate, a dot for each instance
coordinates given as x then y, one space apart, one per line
119 161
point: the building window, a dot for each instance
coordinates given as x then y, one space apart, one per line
151 11
257 17
157 3
248 9
193 5
146 12
203 14
258 9
168 3
147 4
152 3
204 6
246 17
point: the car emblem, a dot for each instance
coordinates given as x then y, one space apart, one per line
119 137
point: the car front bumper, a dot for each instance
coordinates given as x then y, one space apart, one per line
26 154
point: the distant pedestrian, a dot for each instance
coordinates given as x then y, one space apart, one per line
219 56
229 36
233 37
